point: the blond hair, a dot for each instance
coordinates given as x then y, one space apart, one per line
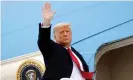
61 25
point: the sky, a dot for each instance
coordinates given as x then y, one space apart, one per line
20 19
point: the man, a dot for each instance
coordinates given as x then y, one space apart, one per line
62 61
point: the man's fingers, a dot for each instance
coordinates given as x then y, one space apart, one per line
46 5
43 7
47 9
52 13
49 6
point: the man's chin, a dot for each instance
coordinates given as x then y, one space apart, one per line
66 42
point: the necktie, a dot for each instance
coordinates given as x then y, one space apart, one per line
86 75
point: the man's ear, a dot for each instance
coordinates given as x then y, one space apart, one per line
54 38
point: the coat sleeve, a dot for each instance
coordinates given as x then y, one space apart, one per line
45 44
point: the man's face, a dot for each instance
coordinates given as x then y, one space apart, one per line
63 35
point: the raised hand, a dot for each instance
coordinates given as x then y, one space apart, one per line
47 14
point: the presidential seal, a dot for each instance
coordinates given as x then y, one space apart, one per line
30 70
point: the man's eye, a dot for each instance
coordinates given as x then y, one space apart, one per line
61 32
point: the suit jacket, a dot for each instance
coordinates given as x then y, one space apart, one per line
57 60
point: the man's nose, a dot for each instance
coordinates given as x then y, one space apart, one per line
65 34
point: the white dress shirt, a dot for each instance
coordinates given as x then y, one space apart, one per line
76 75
